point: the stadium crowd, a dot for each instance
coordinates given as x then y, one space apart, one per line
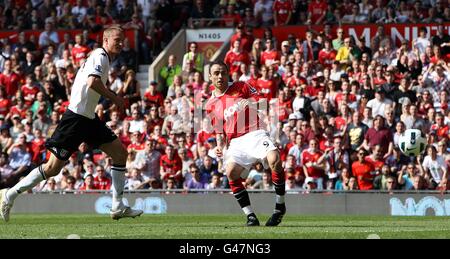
337 106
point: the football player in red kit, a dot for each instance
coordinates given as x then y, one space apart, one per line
232 109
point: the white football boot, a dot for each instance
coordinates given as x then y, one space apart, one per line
125 212
5 208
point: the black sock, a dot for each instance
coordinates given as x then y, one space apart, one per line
280 189
242 198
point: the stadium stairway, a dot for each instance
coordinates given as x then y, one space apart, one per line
142 77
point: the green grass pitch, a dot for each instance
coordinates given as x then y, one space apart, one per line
222 226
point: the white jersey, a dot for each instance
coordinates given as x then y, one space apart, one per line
83 100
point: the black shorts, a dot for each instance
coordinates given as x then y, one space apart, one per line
73 129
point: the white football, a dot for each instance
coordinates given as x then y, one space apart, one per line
412 142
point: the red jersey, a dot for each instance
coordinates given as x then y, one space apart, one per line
10 82
4 106
155 99
376 164
136 146
326 58
284 108
102 184
79 53
230 20
21 111
203 136
37 149
228 113
317 10
314 91
293 81
246 41
340 96
281 9
269 57
310 157
171 166
234 60
442 132
363 170
266 88
340 123
29 94
378 81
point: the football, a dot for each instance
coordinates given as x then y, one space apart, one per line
412 142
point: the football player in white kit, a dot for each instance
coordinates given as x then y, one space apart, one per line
80 124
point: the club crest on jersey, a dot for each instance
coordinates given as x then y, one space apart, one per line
98 68
252 90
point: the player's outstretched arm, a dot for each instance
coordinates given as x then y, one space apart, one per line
96 84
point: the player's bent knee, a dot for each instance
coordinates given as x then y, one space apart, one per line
52 169
234 171
273 158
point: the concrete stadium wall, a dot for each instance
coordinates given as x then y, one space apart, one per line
217 203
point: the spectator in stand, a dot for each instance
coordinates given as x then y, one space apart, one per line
317 10
6 140
198 180
380 103
263 12
171 165
148 160
270 56
311 168
265 183
49 36
422 42
131 89
235 57
127 59
355 16
327 55
414 121
19 157
310 48
102 181
345 53
407 177
363 171
79 51
168 72
216 182
9 79
386 180
88 184
434 168
197 59
282 10
135 180
379 135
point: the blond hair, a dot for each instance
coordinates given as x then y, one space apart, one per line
109 31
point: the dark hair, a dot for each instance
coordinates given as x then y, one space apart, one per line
220 63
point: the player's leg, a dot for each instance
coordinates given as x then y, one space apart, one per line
38 174
278 179
234 171
119 154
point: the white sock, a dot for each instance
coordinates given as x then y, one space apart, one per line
248 210
118 183
279 199
32 179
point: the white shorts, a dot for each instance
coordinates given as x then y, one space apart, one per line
250 148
